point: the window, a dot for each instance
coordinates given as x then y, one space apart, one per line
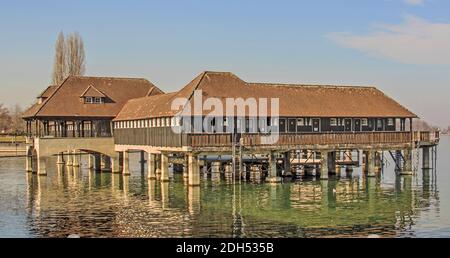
333 122
300 122
98 100
168 121
379 123
88 100
364 122
225 121
390 121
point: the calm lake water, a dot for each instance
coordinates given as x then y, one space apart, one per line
104 205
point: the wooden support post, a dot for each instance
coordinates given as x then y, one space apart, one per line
407 166
287 164
273 177
324 165
151 173
370 163
164 167
126 163
194 172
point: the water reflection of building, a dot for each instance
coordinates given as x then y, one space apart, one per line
102 204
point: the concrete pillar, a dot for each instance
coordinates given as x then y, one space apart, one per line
228 170
142 161
370 163
60 159
324 165
41 166
126 163
69 158
426 158
194 171
407 166
287 163
158 165
186 167
164 167
151 173
365 165
273 177
115 163
75 159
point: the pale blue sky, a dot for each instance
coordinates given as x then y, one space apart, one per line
401 46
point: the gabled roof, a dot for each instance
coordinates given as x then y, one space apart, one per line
65 99
48 91
91 91
295 100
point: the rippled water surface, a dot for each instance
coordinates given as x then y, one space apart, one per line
105 205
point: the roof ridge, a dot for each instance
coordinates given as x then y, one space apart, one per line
107 77
311 85
51 96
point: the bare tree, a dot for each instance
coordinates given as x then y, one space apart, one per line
69 57
5 119
17 123
75 56
59 66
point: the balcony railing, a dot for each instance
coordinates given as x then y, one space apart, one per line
249 139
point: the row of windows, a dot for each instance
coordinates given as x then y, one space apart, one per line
94 100
147 123
364 122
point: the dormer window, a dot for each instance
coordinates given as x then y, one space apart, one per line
93 96
93 100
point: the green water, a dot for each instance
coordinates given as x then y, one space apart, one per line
104 205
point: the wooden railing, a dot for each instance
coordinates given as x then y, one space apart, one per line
224 140
426 136
330 138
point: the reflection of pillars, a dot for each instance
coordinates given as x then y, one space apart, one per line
97 162
75 159
186 167
370 163
371 183
151 191
272 175
69 159
151 166
407 166
287 163
126 163
164 167
115 181
158 165
115 163
91 161
142 161
426 157
324 193
126 186
324 165
29 161
41 166
165 194
60 159
194 200
426 183
91 178
41 188
193 170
